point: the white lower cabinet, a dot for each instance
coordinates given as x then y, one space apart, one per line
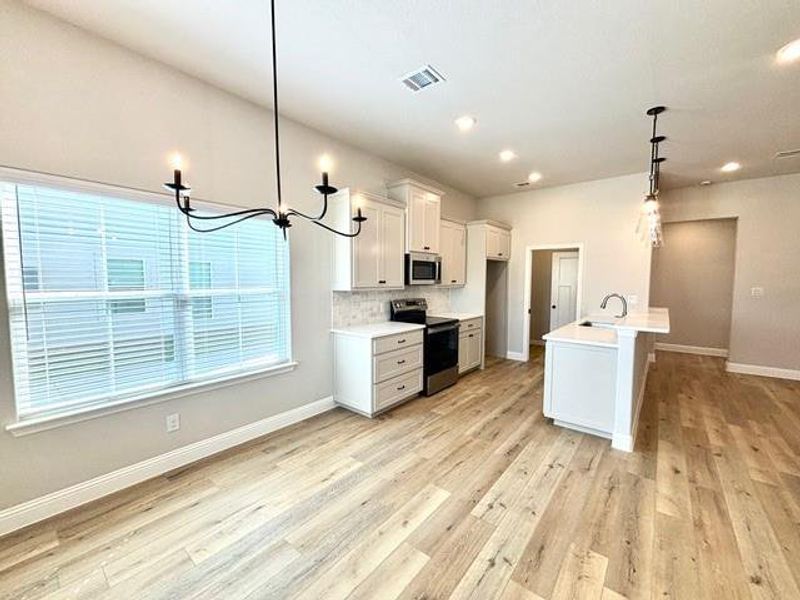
470 345
375 372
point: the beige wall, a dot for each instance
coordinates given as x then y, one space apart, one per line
692 275
73 104
764 331
541 280
495 331
600 214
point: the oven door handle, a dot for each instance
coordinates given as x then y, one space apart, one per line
441 329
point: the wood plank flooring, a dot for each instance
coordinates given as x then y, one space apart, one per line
467 494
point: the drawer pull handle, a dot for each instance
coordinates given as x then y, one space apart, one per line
471 335
403 341
402 387
381 281
401 362
453 280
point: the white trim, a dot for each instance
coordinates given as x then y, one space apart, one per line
526 288
516 356
746 369
86 413
701 350
38 509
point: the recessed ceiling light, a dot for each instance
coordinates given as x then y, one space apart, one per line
705 182
507 155
534 177
466 122
789 53
730 167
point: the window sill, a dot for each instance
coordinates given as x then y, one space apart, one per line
45 423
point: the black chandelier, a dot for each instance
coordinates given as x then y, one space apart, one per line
280 217
650 209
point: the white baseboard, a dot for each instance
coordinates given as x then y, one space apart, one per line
701 350
746 369
515 356
38 509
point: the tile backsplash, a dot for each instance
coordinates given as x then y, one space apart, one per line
361 308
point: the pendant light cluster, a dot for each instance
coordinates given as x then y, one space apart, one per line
650 219
280 217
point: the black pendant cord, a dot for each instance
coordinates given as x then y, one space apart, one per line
275 104
280 217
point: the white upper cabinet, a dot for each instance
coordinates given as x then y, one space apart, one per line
373 259
423 214
453 246
498 242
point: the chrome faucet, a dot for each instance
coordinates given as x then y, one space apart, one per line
624 303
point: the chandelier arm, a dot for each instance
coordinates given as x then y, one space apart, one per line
336 231
258 211
262 212
294 211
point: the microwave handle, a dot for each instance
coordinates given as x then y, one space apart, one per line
438 269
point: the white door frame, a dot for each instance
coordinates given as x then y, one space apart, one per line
526 302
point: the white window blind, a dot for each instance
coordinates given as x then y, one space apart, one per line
112 298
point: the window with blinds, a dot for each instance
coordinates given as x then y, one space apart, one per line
112 299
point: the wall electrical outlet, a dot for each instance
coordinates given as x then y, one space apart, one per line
757 292
173 422
633 299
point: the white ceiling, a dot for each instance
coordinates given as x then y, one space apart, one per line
565 84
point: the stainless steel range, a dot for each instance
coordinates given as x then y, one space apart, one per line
441 343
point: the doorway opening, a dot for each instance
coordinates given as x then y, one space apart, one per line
553 281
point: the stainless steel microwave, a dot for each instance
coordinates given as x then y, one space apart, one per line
423 269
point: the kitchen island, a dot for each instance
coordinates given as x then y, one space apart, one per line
596 370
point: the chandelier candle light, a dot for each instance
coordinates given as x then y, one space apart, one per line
650 209
280 217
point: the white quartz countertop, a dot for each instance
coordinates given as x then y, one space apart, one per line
591 336
376 330
654 320
459 316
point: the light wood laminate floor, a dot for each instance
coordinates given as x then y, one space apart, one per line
467 494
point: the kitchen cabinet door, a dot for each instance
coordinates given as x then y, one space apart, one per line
453 250
492 242
392 247
367 248
417 207
433 206
504 246
469 350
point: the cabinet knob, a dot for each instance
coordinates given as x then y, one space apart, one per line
499 254
453 281
426 247
553 306
471 335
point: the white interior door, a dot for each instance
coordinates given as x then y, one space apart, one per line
563 289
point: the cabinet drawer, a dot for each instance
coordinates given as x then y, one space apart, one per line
391 364
393 342
470 325
396 389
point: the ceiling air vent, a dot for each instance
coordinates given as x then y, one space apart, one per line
788 154
421 78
